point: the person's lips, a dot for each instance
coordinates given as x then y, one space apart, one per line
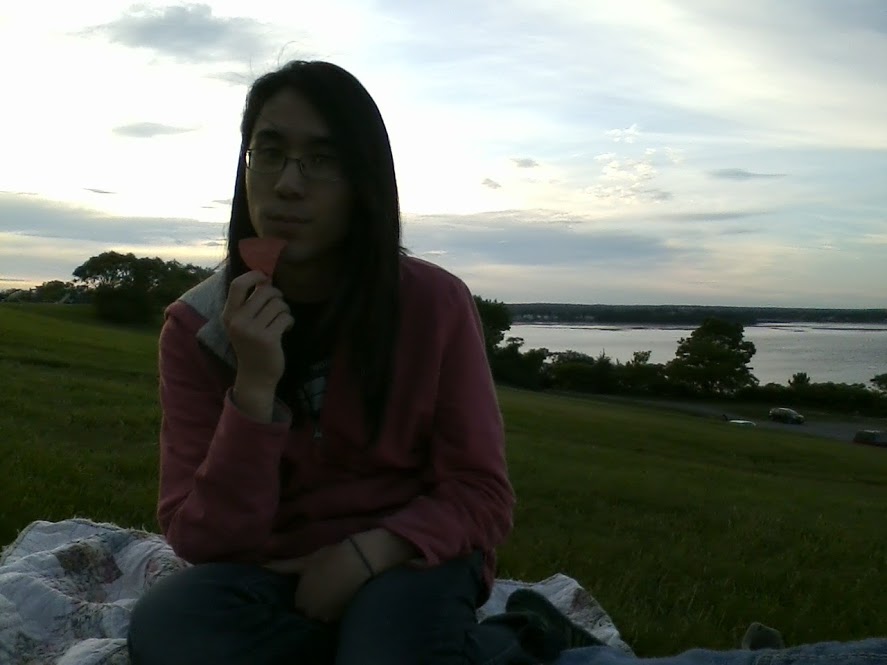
286 218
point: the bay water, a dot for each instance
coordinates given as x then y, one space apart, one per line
843 353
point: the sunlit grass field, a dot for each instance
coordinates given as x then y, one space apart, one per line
685 529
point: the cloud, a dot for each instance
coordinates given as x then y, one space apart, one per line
525 162
145 130
187 33
535 238
492 184
739 231
629 181
40 218
874 238
233 78
98 191
713 216
627 135
223 202
742 174
42 240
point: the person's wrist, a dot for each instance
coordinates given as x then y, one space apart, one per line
383 549
254 385
254 398
362 561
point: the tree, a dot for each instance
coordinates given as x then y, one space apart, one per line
50 291
572 357
580 372
880 382
799 380
713 360
176 279
526 370
129 289
640 376
111 269
640 358
496 320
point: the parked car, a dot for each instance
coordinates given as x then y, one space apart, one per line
872 437
784 415
738 421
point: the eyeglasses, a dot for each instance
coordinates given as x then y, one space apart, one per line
270 161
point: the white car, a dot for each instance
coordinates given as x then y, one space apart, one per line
738 421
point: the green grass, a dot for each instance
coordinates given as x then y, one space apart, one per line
685 530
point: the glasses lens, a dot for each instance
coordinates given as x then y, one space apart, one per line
322 167
266 160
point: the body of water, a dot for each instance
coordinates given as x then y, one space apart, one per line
843 353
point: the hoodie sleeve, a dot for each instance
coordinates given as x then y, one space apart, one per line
471 503
219 469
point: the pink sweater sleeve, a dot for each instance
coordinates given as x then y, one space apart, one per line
219 480
470 506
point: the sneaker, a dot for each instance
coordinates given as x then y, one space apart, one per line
556 623
758 636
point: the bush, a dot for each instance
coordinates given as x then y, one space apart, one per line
849 398
522 370
124 304
582 373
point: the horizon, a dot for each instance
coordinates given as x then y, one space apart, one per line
556 151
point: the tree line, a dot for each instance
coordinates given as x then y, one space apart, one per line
713 362
123 288
688 314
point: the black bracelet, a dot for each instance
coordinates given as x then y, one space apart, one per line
366 562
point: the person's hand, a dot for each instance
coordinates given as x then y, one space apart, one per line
329 579
255 324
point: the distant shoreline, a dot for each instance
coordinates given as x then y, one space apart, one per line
844 327
678 316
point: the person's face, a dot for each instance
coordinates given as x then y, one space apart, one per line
312 213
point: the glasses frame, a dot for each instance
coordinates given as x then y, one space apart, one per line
248 156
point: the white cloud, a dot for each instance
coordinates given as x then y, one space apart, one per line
627 135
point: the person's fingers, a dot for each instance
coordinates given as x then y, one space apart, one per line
257 312
262 296
270 312
280 324
242 285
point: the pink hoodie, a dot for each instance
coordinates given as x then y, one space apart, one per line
233 489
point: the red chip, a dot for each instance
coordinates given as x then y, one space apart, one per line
261 253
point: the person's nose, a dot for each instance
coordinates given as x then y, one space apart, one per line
291 183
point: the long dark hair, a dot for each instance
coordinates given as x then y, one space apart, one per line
364 311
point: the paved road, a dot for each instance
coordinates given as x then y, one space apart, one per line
839 430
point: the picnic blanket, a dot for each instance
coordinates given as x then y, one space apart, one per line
67 589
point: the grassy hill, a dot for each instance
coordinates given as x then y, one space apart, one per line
685 529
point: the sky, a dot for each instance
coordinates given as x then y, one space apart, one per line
587 151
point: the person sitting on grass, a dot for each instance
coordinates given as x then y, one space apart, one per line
332 452
332 455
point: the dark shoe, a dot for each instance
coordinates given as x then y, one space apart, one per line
557 625
758 636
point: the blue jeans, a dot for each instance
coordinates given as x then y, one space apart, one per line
241 614
228 614
863 652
